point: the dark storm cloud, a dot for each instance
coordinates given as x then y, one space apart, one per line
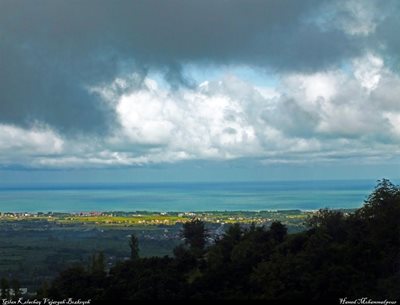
388 38
52 51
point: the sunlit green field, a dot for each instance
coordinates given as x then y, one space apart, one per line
121 219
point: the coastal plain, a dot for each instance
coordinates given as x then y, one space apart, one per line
35 246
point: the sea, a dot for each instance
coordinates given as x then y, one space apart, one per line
186 197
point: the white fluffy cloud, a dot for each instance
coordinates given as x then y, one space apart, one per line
203 123
18 145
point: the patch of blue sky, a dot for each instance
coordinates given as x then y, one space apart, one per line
209 72
159 78
346 67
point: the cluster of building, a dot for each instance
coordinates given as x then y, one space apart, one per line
18 214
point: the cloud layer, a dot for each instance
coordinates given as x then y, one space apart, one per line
98 83
324 116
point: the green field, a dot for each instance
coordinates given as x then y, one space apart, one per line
125 219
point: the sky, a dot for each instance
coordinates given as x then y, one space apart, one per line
177 90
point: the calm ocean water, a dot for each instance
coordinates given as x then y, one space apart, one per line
251 196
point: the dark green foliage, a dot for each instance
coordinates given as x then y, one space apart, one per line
195 235
76 282
353 255
146 278
98 264
134 245
10 289
43 291
185 259
5 288
278 231
15 286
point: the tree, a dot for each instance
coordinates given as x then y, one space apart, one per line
16 287
195 235
74 281
185 259
5 288
134 245
43 290
98 263
382 203
278 231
